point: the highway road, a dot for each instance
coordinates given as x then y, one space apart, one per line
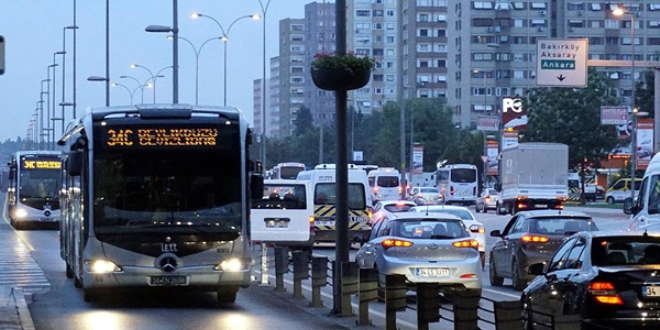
259 307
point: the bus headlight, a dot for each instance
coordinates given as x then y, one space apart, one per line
233 265
20 213
101 267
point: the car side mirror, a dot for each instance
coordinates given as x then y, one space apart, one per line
495 233
536 269
629 207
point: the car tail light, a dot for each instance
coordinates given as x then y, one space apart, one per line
477 229
487 198
375 190
605 293
311 223
466 244
400 189
388 243
533 239
370 213
469 276
522 206
451 190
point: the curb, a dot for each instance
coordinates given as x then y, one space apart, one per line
22 308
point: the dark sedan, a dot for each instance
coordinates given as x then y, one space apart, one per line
531 237
597 280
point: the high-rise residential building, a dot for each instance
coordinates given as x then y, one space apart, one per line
372 31
273 105
257 105
320 38
292 73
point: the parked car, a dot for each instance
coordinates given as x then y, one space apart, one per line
425 195
597 280
476 228
426 248
384 209
487 200
531 237
600 192
620 190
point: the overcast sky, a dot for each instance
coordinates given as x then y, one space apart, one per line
33 32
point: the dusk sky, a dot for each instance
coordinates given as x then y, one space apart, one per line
34 30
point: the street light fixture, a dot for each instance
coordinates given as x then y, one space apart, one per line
140 85
197 52
225 38
175 47
151 76
130 93
620 12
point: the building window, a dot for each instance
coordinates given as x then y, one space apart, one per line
539 5
389 39
422 17
423 33
482 5
362 13
389 26
297 69
297 80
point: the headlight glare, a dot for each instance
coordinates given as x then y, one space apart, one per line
20 213
101 267
230 265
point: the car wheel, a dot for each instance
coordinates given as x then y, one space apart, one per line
69 272
492 273
610 200
527 319
485 209
518 283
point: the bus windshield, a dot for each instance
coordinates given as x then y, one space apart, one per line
39 184
463 175
290 172
325 194
168 191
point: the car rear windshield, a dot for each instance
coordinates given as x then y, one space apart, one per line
429 228
398 207
429 191
636 250
388 181
560 225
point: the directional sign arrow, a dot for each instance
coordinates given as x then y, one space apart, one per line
561 77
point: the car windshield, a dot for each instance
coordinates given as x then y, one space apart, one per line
429 191
560 225
429 228
636 250
461 213
388 181
398 207
282 196
492 192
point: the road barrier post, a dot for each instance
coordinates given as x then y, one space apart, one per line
281 267
349 286
466 304
428 304
300 272
319 279
507 314
395 298
264 263
368 286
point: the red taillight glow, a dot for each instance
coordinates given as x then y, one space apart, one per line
466 244
487 198
522 206
468 276
533 239
375 189
605 293
388 243
400 189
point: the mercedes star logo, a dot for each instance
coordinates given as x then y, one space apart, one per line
168 264
433 246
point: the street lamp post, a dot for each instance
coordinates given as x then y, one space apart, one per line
71 27
264 10
140 85
225 38
175 48
633 139
151 76
130 93
197 52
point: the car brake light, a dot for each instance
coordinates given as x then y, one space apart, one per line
522 206
533 239
375 189
477 229
466 244
388 243
311 223
400 189
605 293
487 198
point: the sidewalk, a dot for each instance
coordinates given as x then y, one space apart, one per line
19 275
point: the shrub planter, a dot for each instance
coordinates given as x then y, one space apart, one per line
345 78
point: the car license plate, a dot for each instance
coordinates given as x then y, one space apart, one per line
324 223
432 272
541 206
651 291
359 219
168 280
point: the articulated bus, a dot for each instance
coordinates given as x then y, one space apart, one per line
34 184
158 196
287 171
458 183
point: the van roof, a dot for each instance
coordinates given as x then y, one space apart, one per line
654 165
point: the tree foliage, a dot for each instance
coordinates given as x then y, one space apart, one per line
645 93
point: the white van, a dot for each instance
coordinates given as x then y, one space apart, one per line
384 183
284 216
645 209
323 181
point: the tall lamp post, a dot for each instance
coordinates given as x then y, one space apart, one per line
175 47
151 76
264 10
225 38
63 103
130 92
197 52
620 12
140 85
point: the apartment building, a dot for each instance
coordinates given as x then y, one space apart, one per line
292 71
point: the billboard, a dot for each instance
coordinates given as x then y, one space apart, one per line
491 161
613 115
488 124
644 142
514 117
509 139
418 160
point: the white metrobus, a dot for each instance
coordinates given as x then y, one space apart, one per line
34 184
458 183
158 196
288 171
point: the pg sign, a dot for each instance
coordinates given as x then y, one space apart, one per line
561 63
514 117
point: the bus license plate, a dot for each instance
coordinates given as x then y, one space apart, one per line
541 206
651 291
168 280
324 223
432 272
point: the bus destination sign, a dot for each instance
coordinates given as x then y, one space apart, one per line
42 164
160 137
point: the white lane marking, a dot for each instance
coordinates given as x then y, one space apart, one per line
501 293
20 237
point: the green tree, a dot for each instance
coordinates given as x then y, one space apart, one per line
645 92
432 127
304 121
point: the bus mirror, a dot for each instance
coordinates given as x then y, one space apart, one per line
498 187
257 186
74 163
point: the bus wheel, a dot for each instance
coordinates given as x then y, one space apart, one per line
76 282
227 294
69 272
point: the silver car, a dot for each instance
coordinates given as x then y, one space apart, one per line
426 248
487 200
426 196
